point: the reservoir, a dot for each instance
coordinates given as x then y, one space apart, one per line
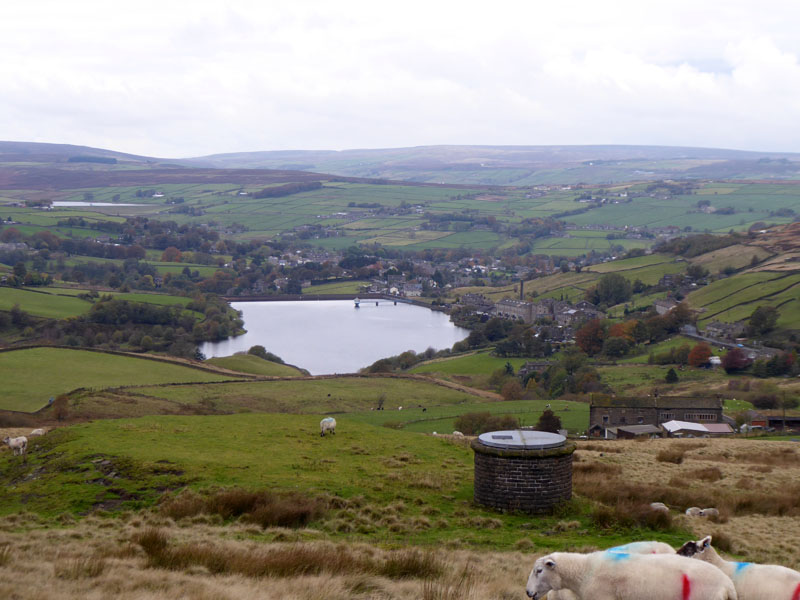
335 337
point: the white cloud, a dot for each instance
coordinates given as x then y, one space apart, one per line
184 78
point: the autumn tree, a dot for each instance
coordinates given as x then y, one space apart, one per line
171 254
700 355
591 336
735 360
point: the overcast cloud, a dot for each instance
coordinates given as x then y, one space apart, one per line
178 78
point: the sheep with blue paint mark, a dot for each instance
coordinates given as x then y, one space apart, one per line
753 581
328 424
648 547
625 576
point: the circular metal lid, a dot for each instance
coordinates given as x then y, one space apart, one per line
522 439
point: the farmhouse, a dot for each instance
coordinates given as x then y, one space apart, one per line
724 331
610 411
663 306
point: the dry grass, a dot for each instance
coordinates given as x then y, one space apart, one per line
261 507
63 564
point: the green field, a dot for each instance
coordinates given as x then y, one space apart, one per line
324 395
32 376
43 304
247 363
478 363
341 287
735 298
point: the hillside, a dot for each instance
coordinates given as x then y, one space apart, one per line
521 165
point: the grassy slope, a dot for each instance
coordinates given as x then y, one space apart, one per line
247 363
43 305
426 480
32 376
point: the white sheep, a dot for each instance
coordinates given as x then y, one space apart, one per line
693 511
18 444
649 547
36 432
458 434
752 581
327 424
709 512
624 576
659 507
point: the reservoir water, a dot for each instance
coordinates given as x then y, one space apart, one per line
334 336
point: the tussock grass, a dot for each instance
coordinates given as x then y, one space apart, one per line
706 474
79 568
671 455
460 587
262 507
294 560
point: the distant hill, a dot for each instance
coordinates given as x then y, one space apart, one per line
461 165
58 153
522 165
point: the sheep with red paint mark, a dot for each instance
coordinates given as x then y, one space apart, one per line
625 576
752 581
646 547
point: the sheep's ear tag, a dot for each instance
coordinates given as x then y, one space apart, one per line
550 563
706 542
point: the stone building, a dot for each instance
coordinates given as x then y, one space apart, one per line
610 411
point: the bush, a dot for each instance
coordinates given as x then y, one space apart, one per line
477 423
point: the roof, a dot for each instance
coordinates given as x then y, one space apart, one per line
660 402
719 428
639 429
673 426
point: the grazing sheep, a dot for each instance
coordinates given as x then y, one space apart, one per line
36 432
327 424
709 512
625 576
752 581
458 434
693 511
631 548
18 444
659 507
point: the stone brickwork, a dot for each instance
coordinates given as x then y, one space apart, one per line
531 481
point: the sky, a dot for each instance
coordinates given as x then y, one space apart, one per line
179 78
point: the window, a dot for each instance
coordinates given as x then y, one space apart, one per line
640 420
667 416
605 418
698 416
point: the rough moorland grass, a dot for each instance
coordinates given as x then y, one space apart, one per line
33 375
247 363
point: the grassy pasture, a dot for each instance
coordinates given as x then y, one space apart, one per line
43 304
247 363
737 256
477 363
322 395
24 388
340 287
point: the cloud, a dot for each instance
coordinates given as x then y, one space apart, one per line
186 78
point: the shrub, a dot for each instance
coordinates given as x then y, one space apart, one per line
477 423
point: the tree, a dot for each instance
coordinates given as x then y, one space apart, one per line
548 421
735 360
171 254
762 320
700 355
671 376
615 347
590 337
512 390
612 288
